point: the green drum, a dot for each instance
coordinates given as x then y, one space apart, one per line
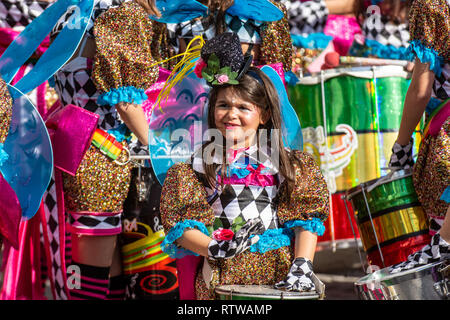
361 109
262 292
391 221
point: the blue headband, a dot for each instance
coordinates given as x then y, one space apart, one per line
256 76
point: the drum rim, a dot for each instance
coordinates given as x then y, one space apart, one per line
396 278
399 174
287 295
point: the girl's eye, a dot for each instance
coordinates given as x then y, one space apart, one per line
243 108
222 106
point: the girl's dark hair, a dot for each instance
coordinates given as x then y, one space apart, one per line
264 95
217 9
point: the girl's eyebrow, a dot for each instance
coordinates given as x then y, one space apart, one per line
229 101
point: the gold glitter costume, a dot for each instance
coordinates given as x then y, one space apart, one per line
430 28
276 45
184 198
127 45
429 22
5 110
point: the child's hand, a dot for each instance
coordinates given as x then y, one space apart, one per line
241 241
301 278
401 157
149 6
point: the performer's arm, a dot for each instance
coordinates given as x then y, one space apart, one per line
195 241
416 100
305 243
149 6
134 118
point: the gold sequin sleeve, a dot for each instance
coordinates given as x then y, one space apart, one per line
123 59
183 197
429 23
276 43
5 110
310 197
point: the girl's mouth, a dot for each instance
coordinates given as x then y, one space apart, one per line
231 126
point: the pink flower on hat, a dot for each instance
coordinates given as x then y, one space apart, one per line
199 67
222 78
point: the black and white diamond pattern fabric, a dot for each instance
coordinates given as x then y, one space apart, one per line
437 250
435 224
441 86
17 14
55 237
100 6
137 148
242 240
402 156
190 29
241 200
75 86
107 224
248 202
246 29
386 32
299 277
306 17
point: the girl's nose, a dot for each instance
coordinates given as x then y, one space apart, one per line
232 113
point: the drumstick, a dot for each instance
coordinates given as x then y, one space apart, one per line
332 59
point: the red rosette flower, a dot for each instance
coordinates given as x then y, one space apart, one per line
222 234
199 67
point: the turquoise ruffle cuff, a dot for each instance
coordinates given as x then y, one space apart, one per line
383 51
171 248
122 94
446 195
315 225
427 55
317 40
121 133
273 239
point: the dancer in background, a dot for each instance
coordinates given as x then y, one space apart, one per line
428 93
263 32
248 243
106 76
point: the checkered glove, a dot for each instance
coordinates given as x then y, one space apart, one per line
241 241
299 278
401 157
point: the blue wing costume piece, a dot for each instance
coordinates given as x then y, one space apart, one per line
292 131
29 165
175 11
261 10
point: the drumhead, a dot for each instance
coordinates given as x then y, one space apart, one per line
358 72
263 292
383 275
399 174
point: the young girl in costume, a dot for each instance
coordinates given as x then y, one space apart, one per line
252 213
428 93
107 76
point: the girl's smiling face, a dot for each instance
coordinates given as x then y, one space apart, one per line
237 119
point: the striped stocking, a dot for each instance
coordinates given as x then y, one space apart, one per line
91 283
